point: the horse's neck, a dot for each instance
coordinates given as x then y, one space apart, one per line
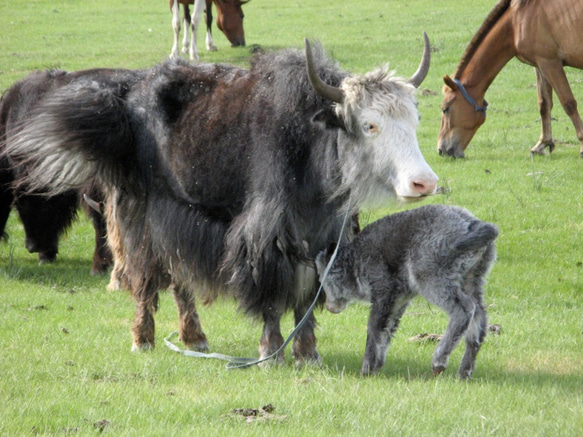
492 54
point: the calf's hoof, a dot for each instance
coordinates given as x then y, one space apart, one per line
437 370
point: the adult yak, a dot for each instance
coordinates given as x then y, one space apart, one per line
228 179
45 219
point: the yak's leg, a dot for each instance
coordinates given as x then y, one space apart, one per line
545 106
176 27
460 309
554 73
304 345
382 324
146 296
102 256
209 23
189 329
6 199
197 12
271 339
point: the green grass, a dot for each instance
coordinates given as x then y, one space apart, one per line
65 361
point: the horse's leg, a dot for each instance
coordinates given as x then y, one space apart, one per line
545 106
554 73
271 339
187 21
176 27
209 23
196 14
189 329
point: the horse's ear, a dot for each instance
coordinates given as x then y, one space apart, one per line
449 82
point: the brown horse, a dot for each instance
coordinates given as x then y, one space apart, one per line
545 34
229 21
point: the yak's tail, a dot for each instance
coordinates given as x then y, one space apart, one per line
79 132
479 236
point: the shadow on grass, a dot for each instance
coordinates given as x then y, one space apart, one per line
64 272
401 369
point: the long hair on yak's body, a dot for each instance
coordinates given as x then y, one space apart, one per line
224 176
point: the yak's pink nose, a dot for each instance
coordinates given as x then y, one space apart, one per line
424 187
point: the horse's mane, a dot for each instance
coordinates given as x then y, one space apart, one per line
494 15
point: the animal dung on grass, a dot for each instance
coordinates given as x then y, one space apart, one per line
442 253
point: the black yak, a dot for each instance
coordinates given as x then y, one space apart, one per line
232 180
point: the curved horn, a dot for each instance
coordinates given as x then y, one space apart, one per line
322 88
421 72
92 203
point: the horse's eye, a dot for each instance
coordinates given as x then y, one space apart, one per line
445 110
370 128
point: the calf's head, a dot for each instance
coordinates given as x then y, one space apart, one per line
339 286
377 118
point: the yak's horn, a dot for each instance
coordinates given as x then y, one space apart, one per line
421 72
322 88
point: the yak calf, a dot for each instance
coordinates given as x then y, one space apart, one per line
440 252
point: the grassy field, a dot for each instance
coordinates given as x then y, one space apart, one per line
65 362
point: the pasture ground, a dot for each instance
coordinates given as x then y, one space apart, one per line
65 361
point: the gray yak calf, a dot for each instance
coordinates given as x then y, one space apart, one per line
440 252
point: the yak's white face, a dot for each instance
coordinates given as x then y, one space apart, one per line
379 151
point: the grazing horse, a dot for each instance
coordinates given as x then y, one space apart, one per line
224 179
229 21
545 34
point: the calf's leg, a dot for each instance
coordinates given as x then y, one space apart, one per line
385 314
479 324
460 309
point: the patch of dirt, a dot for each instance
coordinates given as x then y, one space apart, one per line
425 338
251 415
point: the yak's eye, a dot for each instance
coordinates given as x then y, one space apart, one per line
370 128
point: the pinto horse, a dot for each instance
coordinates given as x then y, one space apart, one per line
544 34
229 21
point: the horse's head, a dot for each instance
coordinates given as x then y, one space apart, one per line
461 117
230 20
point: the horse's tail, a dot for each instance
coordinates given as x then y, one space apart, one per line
479 236
78 132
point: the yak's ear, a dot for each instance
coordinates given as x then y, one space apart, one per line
329 118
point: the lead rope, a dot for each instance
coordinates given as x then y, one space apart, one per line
240 362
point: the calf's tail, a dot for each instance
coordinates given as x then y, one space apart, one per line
79 132
479 235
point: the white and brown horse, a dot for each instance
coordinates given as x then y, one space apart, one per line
545 34
229 21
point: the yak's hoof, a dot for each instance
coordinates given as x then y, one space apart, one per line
144 347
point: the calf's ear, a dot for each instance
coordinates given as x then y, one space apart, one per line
329 118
